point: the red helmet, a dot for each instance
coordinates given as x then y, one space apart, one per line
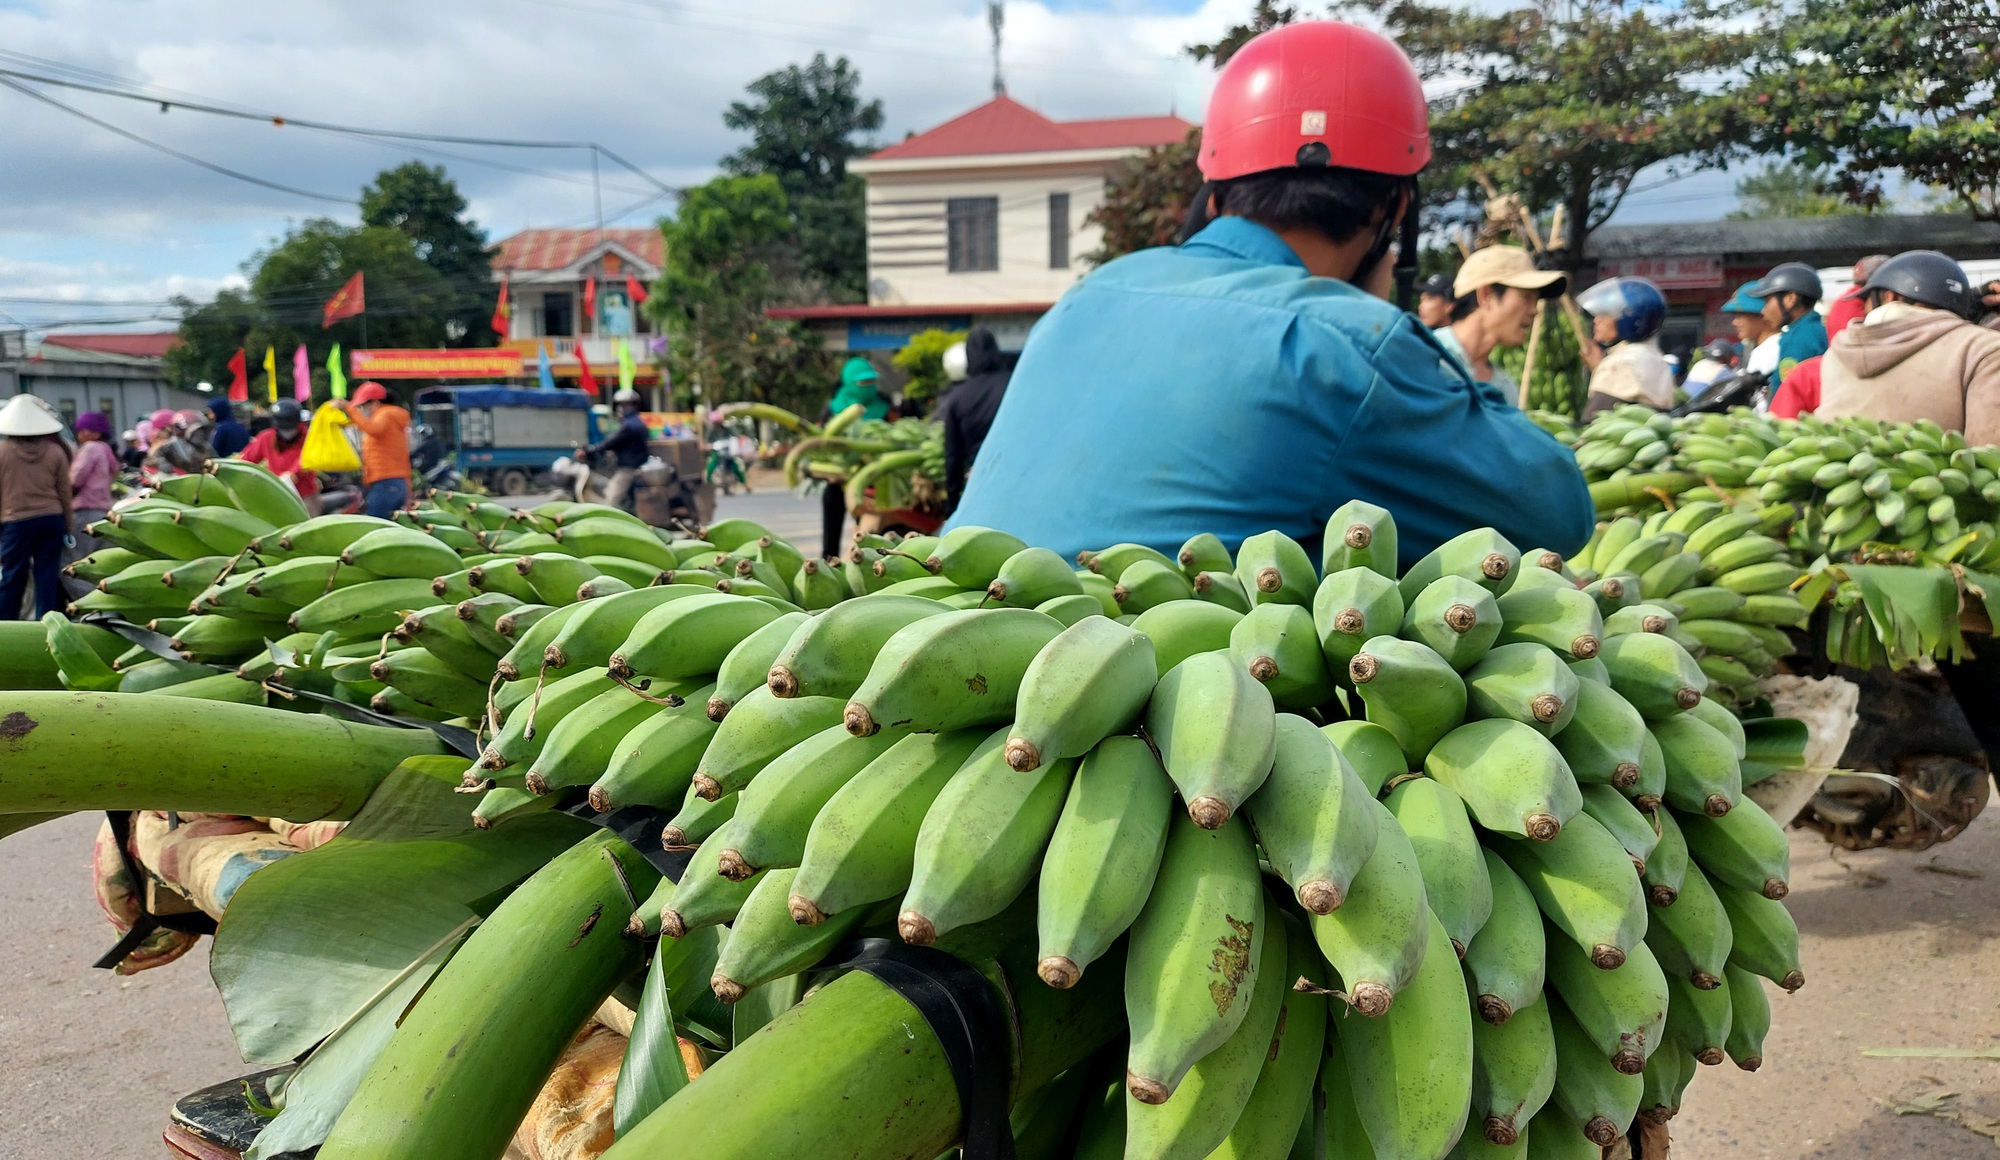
370 393
1349 90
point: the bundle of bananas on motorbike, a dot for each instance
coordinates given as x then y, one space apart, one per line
1459 854
1888 520
900 463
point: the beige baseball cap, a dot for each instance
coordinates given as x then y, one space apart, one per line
1506 266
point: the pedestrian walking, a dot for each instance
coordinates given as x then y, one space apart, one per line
91 472
35 506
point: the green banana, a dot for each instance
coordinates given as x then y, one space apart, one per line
1616 813
1583 882
428 680
819 586
259 492
1623 1010
765 944
1698 1020
979 845
970 557
1649 792
1089 682
1749 1018
862 844
1739 553
1273 568
1615 538
1653 673
300 580
400 553
1670 575
633 573
514 622
1311 816
1540 579
728 535
1370 749
1215 1090
1377 939
222 639
481 615
684 635
1359 535
1666 1076
1505 962
439 631
600 535
770 581
1525 683
1277 645
522 735
757 731
1147 584
1102 858
553 577
830 654
368 609
704 897
1602 742
1511 779
1410 690
1448 857
1666 869
103 563
1745 848
1642 617
1764 940
1481 555
1591 670
1411 1069
228 531
599 586
1592 1100
1214 726
1111 562
747 666
1691 938
506 576
1563 618
1778 608
1703 776
1613 592
1192 968
1350 608
583 743
1513 1073
1455 617
654 760
697 820
1070 609
1101 589
1709 603
777 809
1204 552
1182 628
958 670
531 644
1721 530
1270 1120
1222 588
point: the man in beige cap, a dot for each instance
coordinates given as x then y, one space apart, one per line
1498 291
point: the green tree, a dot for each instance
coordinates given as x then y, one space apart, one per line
922 358
1873 88
422 202
1147 199
1791 190
803 122
723 250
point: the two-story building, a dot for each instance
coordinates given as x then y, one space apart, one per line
980 221
554 277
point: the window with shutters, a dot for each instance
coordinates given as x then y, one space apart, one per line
972 226
1059 231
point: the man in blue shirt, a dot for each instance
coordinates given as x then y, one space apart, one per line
1254 377
1791 294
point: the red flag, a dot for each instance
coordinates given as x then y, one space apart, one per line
239 382
503 313
634 289
346 302
585 379
590 303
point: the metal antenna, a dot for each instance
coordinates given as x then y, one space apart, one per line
996 17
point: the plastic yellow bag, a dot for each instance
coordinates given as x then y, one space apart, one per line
327 447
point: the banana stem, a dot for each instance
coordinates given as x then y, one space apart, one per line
857 484
25 662
828 442
117 751
778 415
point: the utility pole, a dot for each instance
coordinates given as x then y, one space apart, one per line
996 17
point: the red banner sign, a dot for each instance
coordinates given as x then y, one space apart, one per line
1690 273
490 363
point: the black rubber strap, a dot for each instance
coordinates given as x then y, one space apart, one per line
195 923
158 644
971 1025
640 828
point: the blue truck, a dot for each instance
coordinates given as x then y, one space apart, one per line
506 437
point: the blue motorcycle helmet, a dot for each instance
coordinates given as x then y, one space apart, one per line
1636 304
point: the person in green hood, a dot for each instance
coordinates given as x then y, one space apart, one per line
859 383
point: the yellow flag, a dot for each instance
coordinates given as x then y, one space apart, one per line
271 370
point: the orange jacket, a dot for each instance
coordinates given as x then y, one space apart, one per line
385 442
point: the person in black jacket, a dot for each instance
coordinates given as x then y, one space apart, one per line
967 410
627 445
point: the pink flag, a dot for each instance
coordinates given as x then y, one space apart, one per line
302 382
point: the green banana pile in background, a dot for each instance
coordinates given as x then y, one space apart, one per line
1514 888
902 462
1888 524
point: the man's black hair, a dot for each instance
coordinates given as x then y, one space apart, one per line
1462 308
1338 203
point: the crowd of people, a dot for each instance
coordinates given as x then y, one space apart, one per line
56 479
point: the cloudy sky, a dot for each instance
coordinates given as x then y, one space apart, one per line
98 226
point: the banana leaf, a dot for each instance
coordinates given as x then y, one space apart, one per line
1913 611
653 1069
309 941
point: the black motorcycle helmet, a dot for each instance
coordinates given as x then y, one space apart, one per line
1789 278
286 415
1928 277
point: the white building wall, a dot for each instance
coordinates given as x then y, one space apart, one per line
907 249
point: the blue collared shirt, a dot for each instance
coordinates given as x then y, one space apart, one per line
1219 387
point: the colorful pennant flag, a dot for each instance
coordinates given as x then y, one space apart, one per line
302 378
634 289
590 303
239 377
503 314
348 301
336 375
547 376
627 369
585 379
271 371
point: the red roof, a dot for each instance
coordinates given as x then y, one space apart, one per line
559 249
151 345
1005 125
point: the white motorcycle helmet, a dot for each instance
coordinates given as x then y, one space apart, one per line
954 362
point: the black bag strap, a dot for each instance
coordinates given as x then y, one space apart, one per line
640 827
143 926
962 1010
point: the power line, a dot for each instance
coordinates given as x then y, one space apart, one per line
7 79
